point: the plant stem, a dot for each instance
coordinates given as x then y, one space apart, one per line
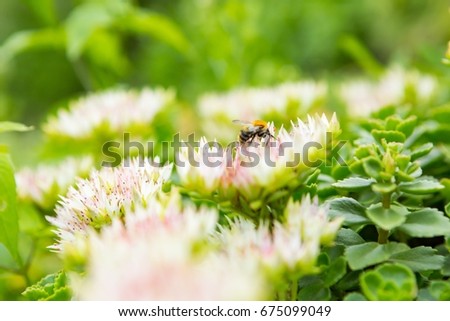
383 234
294 290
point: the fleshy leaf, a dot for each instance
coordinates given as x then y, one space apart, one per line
427 222
347 237
335 271
421 151
350 209
53 287
387 218
367 254
389 282
419 259
353 184
388 135
420 187
440 290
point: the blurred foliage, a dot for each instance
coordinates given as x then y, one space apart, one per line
53 51
76 46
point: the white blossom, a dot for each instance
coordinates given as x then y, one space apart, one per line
43 184
396 87
105 195
113 111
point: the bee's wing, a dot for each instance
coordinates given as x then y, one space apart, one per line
245 124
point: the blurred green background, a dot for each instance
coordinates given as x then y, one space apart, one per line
56 50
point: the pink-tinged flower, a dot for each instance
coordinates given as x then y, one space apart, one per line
44 184
164 255
289 247
281 102
396 87
105 195
115 111
256 172
204 171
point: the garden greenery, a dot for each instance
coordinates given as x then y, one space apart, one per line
361 214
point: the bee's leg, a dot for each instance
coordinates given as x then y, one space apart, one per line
251 140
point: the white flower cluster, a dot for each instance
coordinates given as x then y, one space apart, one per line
164 255
106 194
289 247
113 111
282 101
269 168
44 184
396 87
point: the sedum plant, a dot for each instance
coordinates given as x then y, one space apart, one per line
390 214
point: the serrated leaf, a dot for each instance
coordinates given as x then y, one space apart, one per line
348 237
421 151
367 254
9 226
407 125
420 187
389 282
52 287
353 184
350 209
387 218
427 222
388 135
419 259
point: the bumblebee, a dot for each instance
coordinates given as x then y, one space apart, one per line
250 130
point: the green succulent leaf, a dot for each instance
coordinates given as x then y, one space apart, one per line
407 125
354 184
387 218
440 290
420 258
350 209
335 271
420 187
427 222
389 282
370 253
347 237
53 287
421 151
316 291
384 188
388 135
372 167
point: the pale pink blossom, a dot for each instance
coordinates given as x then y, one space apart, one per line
113 111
